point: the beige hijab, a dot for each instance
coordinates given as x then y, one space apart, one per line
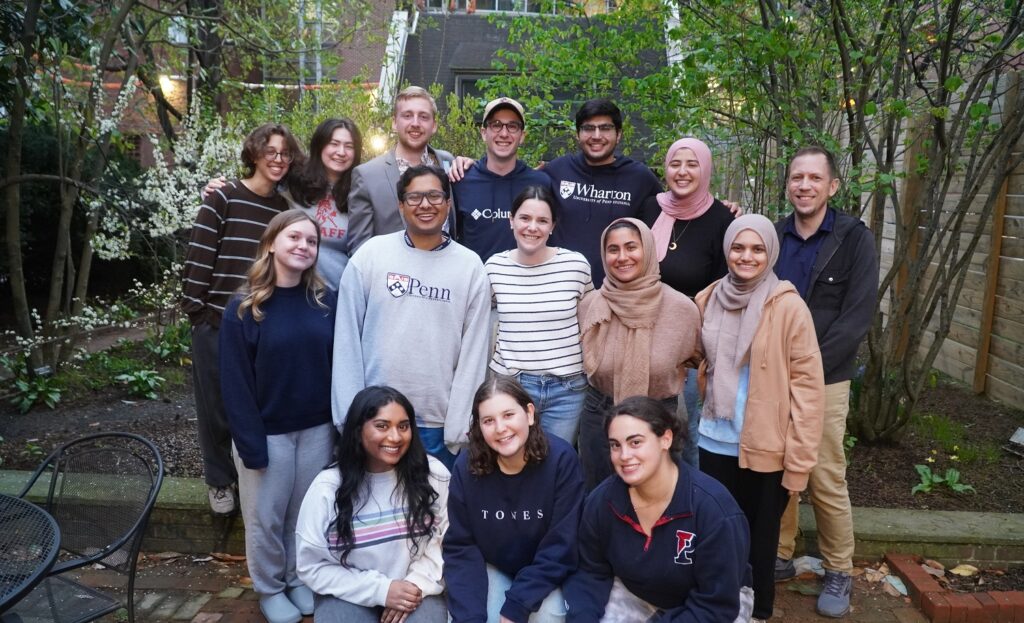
731 318
635 305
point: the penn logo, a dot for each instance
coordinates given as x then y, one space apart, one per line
684 547
398 284
566 189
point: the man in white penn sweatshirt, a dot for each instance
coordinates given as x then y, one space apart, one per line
413 313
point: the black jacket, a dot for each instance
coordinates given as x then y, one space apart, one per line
842 294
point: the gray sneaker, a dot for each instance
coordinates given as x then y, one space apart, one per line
222 500
784 570
834 600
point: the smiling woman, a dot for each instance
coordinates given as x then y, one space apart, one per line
638 335
514 509
368 537
277 335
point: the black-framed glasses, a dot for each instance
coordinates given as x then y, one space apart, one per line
590 128
513 127
433 197
270 155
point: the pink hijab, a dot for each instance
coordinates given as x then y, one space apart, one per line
687 208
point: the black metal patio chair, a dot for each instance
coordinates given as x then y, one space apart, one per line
101 489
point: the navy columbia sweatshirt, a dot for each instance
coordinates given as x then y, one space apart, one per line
523 524
590 198
483 200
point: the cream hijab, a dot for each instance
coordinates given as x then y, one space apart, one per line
732 315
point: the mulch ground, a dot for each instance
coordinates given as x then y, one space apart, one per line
882 476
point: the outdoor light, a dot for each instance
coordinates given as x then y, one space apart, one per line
378 143
166 84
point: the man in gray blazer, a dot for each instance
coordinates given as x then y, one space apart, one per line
373 200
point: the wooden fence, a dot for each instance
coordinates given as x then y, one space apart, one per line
985 345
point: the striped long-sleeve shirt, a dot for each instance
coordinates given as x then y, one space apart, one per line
537 328
224 240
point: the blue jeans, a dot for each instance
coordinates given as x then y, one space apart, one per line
433 443
558 400
691 397
552 609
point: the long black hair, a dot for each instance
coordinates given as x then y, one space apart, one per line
412 469
309 184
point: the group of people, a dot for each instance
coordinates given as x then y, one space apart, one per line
442 387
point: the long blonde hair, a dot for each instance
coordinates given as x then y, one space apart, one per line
262 277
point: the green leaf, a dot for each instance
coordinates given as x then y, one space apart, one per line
978 110
953 83
870 108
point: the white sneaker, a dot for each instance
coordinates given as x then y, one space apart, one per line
222 500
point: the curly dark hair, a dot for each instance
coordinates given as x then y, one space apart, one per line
482 459
657 416
309 183
252 148
412 469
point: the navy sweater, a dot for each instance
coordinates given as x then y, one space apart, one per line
524 525
590 198
484 203
275 375
691 567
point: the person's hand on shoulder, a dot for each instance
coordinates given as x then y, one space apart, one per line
460 165
214 184
733 207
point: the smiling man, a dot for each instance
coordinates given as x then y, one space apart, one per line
594 187
830 258
372 201
484 196
413 311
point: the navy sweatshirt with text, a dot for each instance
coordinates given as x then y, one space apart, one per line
275 375
590 198
484 203
523 524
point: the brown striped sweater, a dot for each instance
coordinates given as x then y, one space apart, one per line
224 240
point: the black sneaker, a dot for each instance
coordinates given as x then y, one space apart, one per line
784 570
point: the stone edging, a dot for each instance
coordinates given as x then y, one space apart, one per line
941 605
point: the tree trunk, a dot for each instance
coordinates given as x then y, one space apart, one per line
12 169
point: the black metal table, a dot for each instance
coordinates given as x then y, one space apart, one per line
29 542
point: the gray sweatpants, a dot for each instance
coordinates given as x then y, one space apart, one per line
271 498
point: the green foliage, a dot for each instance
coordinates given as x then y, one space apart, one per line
142 383
32 450
351 100
951 436
561 61
931 480
171 343
30 388
849 441
457 130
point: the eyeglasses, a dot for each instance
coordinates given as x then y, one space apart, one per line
434 198
513 127
270 155
590 128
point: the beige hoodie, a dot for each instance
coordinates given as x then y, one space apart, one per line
786 397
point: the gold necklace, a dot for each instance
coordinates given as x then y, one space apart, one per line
673 246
